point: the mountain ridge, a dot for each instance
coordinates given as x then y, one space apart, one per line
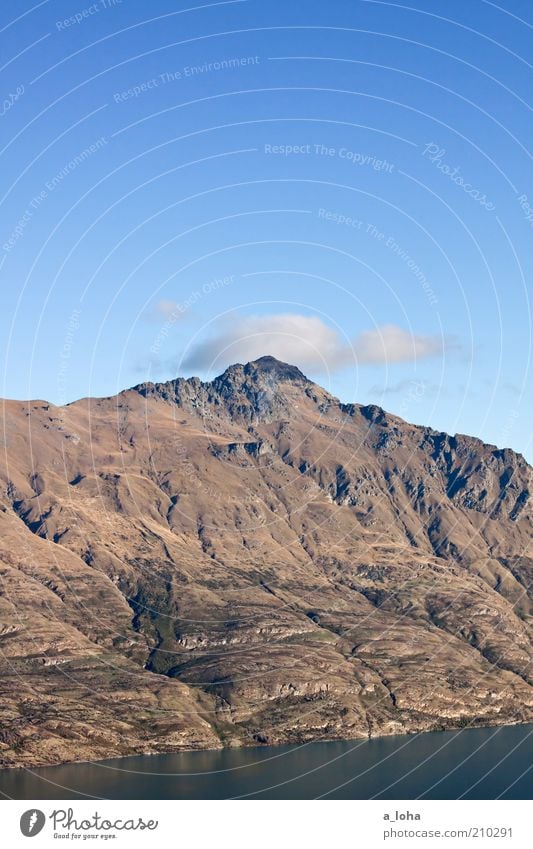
272 364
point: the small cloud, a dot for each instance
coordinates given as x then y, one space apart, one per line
169 309
392 344
406 387
308 342
165 310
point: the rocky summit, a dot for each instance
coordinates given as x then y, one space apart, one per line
249 561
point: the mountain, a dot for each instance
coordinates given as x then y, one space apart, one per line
250 561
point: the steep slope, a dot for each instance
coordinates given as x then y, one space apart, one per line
249 560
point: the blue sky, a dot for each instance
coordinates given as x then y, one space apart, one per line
344 185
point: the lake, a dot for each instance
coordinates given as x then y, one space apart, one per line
481 763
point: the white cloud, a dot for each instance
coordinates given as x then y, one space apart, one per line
308 342
164 310
409 386
392 344
168 309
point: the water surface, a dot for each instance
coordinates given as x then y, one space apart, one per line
482 763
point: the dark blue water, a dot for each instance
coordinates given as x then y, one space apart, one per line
484 763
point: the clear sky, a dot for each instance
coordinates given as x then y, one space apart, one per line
346 185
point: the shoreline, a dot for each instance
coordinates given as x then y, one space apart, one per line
262 746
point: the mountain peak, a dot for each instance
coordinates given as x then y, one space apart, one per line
256 389
270 366
259 388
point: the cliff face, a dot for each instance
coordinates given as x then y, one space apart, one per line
246 561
